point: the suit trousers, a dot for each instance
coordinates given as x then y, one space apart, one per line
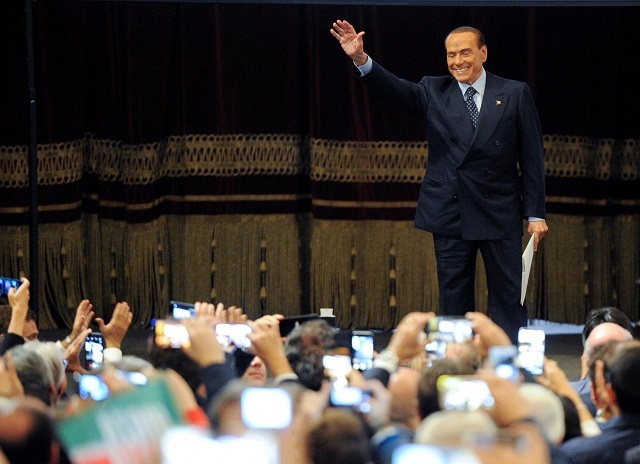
456 263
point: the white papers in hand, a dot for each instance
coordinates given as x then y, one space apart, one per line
527 261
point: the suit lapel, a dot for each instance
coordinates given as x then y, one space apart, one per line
457 115
494 103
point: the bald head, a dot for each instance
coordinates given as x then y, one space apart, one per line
604 333
403 386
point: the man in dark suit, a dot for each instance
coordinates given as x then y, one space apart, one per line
485 172
621 368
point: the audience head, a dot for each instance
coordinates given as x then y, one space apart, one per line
428 398
52 354
34 374
457 428
611 314
624 376
339 437
546 408
179 361
403 386
31 332
256 373
27 432
305 346
603 333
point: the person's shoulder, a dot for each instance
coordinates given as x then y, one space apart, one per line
499 81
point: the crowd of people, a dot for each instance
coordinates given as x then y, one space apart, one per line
275 400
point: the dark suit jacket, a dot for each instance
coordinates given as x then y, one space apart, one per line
618 435
472 188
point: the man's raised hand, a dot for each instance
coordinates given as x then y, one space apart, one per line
350 40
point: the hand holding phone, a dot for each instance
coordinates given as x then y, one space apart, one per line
7 283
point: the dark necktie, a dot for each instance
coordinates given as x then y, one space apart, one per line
471 105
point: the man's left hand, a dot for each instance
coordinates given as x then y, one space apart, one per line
539 229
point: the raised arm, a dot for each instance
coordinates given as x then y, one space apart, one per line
350 41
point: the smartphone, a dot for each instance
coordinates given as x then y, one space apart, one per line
336 368
463 393
504 360
93 351
233 335
6 283
450 329
362 349
171 334
266 408
92 386
531 344
350 397
179 310
411 453
436 349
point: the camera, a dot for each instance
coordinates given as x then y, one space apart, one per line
6 283
171 334
233 335
266 408
92 386
362 348
180 310
450 329
93 351
531 344
504 360
463 393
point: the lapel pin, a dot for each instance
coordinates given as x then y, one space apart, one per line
498 102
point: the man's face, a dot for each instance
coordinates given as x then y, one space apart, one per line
30 331
465 57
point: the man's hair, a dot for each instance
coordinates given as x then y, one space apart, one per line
178 360
428 398
479 35
597 316
601 353
339 437
305 346
34 373
30 446
51 353
624 376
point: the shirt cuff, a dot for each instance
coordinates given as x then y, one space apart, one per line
365 68
535 219
112 355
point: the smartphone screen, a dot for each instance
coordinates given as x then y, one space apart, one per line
180 310
266 408
531 345
93 351
463 393
350 397
92 386
171 334
233 335
362 348
450 329
504 360
6 283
